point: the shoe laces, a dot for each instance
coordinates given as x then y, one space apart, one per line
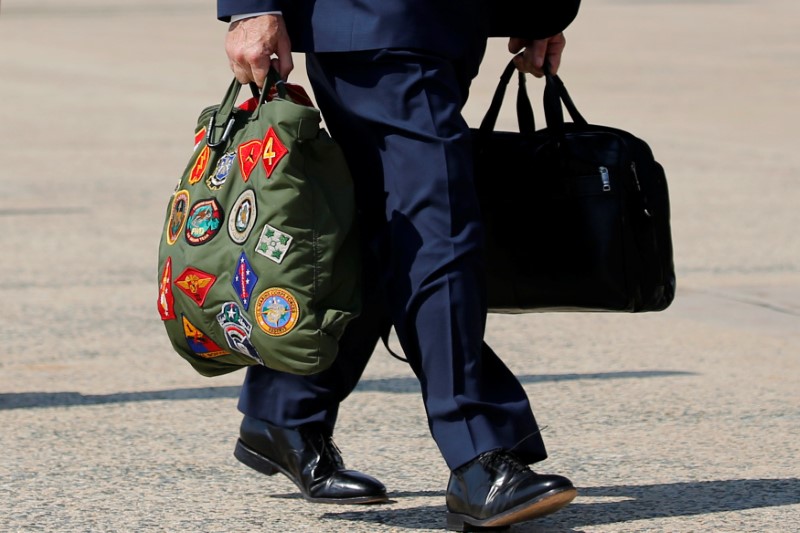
329 450
494 457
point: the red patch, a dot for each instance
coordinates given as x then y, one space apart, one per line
200 165
199 342
249 105
196 284
249 153
272 152
199 136
296 93
166 300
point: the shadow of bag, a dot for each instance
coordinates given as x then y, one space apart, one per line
258 261
577 215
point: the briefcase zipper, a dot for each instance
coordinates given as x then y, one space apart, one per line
635 176
639 188
605 178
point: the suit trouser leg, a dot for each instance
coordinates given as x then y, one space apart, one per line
397 116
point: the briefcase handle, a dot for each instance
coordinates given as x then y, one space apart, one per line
555 93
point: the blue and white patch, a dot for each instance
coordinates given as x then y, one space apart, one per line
217 179
237 331
273 243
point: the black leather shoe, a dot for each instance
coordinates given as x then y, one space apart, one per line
309 458
496 490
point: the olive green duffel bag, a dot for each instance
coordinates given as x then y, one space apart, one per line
258 261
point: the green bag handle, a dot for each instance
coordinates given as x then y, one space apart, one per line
224 113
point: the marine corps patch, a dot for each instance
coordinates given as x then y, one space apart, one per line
199 342
244 280
249 154
242 217
166 300
273 243
196 284
203 222
199 167
272 152
216 180
177 215
237 331
276 311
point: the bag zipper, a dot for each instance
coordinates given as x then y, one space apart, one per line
605 178
639 188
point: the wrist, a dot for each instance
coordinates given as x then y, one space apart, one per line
243 16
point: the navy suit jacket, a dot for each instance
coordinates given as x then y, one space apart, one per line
440 26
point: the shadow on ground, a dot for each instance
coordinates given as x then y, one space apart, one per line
26 400
629 503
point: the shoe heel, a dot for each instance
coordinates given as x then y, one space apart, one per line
250 458
455 523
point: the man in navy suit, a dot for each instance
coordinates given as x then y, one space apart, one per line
390 78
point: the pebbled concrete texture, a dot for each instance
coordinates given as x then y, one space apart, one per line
684 420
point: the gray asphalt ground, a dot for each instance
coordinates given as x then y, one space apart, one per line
684 420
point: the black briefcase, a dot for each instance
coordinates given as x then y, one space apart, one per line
530 19
577 215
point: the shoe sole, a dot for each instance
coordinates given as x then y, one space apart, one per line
259 463
545 504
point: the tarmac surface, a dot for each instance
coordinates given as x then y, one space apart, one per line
683 420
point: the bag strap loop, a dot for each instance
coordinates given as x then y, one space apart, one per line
223 118
555 93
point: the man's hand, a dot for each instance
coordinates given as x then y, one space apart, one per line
536 51
250 45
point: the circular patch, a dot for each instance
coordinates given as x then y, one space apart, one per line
177 215
242 217
276 311
217 179
203 222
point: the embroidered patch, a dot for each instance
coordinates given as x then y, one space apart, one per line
198 137
244 280
242 217
203 222
272 152
249 154
166 300
276 311
216 180
199 167
273 243
237 331
199 342
177 215
196 284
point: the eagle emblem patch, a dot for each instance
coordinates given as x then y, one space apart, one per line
195 284
276 311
